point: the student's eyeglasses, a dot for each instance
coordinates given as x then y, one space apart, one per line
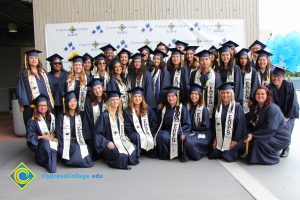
101 63
57 63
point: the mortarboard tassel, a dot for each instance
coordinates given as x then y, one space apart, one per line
64 106
25 59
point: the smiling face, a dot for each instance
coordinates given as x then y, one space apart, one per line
205 63
109 55
87 65
101 65
72 104
226 96
77 67
114 102
124 58
261 96
98 90
277 80
33 60
42 107
137 64
195 97
262 62
225 57
190 55
243 60
172 99
118 68
175 59
156 61
137 99
57 64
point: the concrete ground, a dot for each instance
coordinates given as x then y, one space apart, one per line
154 179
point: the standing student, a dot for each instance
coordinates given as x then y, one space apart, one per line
41 136
254 47
190 60
88 64
214 57
124 56
110 139
100 63
109 54
263 67
32 82
145 52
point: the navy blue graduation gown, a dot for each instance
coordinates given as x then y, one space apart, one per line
200 146
286 98
133 135
164 81
270 135
25 96
238 88
163 136
44 155
184 83
54 81
147 85
75 155
112 84
254 83
103 135
238 133
203 80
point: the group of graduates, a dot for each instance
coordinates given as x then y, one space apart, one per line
217 103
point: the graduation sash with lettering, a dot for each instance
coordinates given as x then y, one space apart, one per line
247 91
154 80
45 131
262 81
223 144
230 76
106 79
79 137
143 130
123 89
97 111
82 93
198 120
35 92
120 140
176 79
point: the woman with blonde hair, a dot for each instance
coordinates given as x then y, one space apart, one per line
136 120
76 81
32 82
229 126
110 140
263 67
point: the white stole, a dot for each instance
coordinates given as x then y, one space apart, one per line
82 93
223 144
154 79
96 111
143 130
120 140
79 137
176 79
198 120
123 89
261 79
45 131
230 77
247 91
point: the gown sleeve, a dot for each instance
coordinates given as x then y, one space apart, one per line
101 130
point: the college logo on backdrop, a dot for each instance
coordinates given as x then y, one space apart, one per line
147 28
22 176
147 42
122 44
218 27
199 41
92 46
97 29
195 27
71 31
70 47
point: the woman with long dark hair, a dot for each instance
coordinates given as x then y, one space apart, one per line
101 72
263 67
190 60
124 56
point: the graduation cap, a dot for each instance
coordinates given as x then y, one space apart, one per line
113 93
54 57
256 42
197 87
214 50
33 52
159 53
191 48
99 57
136 56
67 97
124 51
108 47
263 53
180 43
224 49
136 90
176 51
172 89
279 71
242 52
227 86
203 53
76 59
38 99
96 81
146 47
163 44
230 44
87 56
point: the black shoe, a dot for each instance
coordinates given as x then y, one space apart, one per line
285 153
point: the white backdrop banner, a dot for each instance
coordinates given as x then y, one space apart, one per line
88 37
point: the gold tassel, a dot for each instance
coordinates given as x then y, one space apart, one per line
247 148
64 106
25 59
178 98
203 98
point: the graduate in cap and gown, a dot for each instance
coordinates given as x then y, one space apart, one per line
160 78
249 78
190 60
139 76
117 82
214 57
163 48
94 107
109 53
110 139
209 79
179 75
76 81
140 122
69 131
201 134
175 126
124 56
254 47
263 67
101 72
229 125
267 130
232 47
88 65
145 52
284 95
41 138
230 72
32 82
